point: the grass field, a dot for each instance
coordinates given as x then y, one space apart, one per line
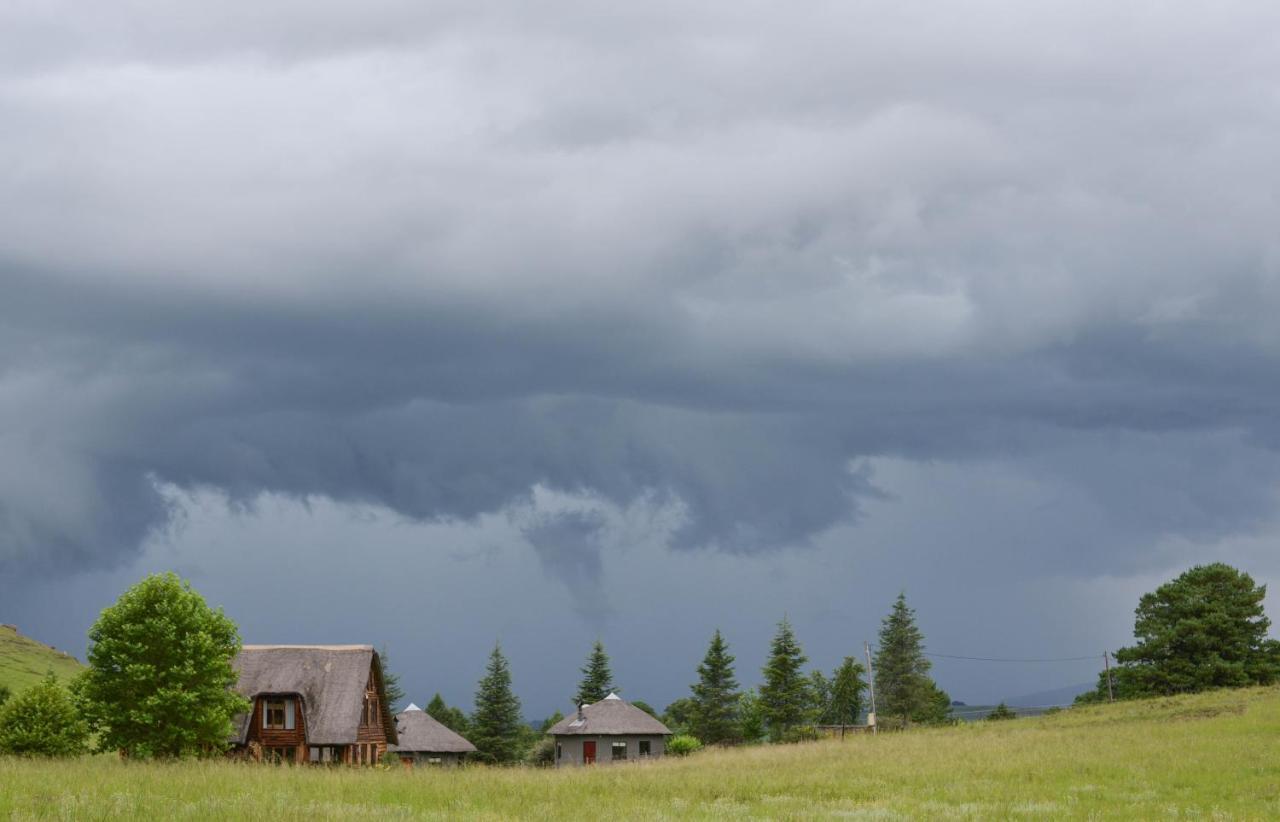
24 662
1211 756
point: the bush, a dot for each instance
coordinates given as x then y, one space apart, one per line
543 753
42 721
683 745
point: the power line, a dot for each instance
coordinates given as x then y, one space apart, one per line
1012 659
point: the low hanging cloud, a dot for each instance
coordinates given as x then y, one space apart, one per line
434 259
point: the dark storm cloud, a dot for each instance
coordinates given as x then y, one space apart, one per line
434 260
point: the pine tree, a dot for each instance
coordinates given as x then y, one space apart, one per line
903 687
597 679
784 696
452 718
715 695
390 682
846 693
495 725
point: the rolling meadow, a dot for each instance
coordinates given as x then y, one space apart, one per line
1207 756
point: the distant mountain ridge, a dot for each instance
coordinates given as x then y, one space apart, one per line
1055 696
24 661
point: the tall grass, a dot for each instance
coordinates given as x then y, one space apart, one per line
1206 756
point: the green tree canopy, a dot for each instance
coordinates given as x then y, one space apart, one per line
159 681
496 728
679 715
5 693
597 678
1205 629
751 727
903 687
42 721
785 695
646 707
846 692
714 717
452 718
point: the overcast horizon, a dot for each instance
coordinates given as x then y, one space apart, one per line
433 325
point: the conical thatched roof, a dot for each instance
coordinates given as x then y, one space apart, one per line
420 732
611 716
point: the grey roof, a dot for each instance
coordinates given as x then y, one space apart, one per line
329 678
611 716
420 732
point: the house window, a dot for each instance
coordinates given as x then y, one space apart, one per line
433 760
278 714
558 752
644 748
619 751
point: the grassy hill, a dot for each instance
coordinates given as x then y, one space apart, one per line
1210 756
23 661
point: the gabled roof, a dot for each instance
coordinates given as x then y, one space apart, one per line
420 732
611 716
329 678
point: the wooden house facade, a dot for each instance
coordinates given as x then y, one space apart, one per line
319 704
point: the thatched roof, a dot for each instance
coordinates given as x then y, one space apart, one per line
420 732
329 678
611 716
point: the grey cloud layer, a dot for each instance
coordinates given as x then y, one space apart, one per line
431 260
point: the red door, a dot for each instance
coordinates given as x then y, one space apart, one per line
588 752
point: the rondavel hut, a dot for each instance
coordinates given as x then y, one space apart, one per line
424 740
608 732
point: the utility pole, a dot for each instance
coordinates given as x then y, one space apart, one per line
871 683
1106 660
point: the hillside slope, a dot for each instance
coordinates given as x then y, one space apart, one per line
23 661
1211 756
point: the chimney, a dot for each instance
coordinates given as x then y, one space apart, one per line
580 716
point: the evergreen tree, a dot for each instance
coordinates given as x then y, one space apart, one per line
750 716
496 729
935 708
597 678
390 682
715 695
549 722
785 694
452 718
679 715
1205 629
902 672
819 697
846 692
1002 711
42 721
160 681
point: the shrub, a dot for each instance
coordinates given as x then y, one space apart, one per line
42 721
683 745
543 753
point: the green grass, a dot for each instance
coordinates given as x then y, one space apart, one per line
24 662
1210 756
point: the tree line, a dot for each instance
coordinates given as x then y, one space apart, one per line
160 684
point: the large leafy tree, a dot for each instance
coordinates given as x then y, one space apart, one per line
452 718
42 721
159 681
496 729
903 687
785 694
715 695
597 678
1205 629
846 692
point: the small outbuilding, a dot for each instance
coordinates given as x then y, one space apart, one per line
425 740
608 732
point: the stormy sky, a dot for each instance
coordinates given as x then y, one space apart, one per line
430 325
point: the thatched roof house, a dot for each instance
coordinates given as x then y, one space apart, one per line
313 703
427 741
611 730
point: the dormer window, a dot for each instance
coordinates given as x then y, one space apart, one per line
278 714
